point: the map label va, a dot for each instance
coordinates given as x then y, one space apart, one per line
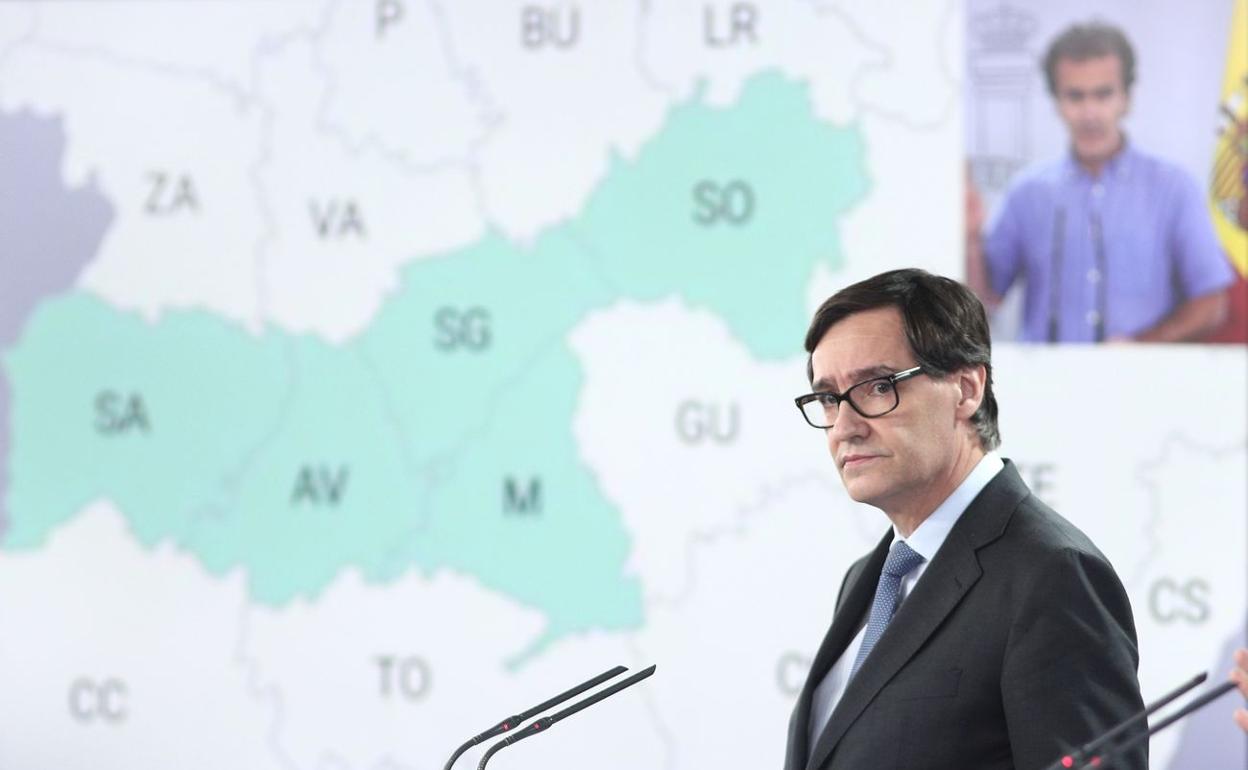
337 219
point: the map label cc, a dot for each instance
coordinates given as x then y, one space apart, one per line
103 700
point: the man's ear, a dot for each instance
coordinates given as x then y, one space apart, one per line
972 381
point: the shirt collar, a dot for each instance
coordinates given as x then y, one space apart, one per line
1117 167
930 535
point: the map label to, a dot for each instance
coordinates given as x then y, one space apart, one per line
408 677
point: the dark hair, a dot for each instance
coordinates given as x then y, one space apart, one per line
1081 42
945 325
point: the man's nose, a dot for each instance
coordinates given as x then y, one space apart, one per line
849 424
1090 109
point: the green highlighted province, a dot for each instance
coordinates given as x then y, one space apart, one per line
441 437
731 209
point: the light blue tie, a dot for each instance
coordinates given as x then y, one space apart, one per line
901 560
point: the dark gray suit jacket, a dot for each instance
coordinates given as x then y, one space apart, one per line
1016 644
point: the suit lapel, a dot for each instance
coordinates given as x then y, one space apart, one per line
953 571
859 590
945 582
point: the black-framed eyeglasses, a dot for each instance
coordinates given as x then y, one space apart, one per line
875 397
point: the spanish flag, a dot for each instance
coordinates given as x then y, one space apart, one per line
1228 186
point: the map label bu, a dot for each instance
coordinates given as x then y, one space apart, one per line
552 26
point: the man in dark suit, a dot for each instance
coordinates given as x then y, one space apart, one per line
984 631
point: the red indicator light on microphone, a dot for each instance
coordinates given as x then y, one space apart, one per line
1068 761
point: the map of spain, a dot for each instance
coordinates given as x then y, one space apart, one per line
440 437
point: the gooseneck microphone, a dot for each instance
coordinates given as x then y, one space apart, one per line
1102 304
1080 756
545 723
1055 274
513 721
1107 758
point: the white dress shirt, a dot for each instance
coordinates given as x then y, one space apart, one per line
926 541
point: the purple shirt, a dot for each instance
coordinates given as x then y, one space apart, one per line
1127 247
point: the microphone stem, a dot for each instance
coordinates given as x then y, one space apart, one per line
458 753
489 753
1108 757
